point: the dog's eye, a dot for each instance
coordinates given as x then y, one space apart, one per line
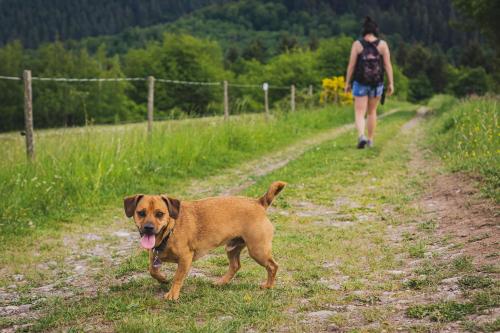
141 213
159 214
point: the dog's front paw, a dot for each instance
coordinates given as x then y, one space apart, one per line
172 295
221 281
265 285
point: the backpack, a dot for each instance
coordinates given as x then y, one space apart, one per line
370 66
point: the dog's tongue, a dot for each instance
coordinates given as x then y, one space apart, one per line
148 241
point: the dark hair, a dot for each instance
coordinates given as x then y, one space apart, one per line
370 27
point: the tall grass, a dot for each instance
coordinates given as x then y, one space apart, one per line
467 137
81 170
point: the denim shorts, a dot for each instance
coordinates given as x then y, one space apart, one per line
360 90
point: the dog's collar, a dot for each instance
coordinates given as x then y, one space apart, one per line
163 245
160 248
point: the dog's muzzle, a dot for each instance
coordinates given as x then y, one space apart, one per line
148 229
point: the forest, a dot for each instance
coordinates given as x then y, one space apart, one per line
434 48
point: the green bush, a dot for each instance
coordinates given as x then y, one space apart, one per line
470 81
419 89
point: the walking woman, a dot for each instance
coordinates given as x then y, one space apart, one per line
369 58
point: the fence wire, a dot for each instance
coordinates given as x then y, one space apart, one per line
9 78
118 79
199 83
62 79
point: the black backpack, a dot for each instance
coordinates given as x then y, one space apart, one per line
369 66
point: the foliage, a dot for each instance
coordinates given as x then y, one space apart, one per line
246 42
485 14
12 92
35 22
420 88
470 81
333 91
466 136
333 55
232 21
401 83
296 67
179 57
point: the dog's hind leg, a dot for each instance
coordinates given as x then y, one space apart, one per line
266 260
259 248
233 248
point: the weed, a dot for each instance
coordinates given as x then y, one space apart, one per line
417 250
418 283
427 226
474 282
488 327
444 311
463 264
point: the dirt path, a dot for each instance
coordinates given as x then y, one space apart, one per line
234 181
460 233
78 270
448 234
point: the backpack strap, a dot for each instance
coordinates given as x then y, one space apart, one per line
364 43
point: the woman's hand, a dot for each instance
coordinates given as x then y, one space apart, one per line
390 89
347 88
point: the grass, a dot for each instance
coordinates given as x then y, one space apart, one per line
488 327
474 282
333 224
446 311
329 173
81 171
466 134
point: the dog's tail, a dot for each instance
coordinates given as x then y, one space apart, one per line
273 191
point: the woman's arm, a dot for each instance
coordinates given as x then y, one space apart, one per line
352 63
386 55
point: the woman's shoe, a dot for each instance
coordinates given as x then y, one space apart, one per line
362 141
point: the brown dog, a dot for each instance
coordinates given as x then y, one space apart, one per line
181 232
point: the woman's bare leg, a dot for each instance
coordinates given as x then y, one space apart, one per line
360 107
372 116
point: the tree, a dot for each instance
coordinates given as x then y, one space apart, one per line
436 72
255 50
485 13
184 58
420 88
471 81
287 43
333 56
11 96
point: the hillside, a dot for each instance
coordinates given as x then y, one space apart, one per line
245 42
36 21
275 24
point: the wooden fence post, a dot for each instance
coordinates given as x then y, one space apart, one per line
310 102
266 99
292 97
151 98
28 115
226 101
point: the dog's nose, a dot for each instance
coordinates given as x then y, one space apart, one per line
149 228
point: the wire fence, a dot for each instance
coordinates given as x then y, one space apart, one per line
150 81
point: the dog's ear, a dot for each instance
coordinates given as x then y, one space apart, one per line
130 203
174 206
